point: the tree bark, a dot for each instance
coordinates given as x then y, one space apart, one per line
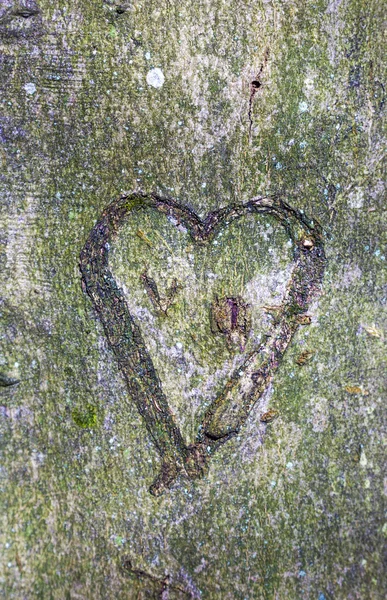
192 303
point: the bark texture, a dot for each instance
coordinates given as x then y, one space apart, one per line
204 105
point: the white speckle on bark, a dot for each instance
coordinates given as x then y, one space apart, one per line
363 459
356 198
155 78
30 88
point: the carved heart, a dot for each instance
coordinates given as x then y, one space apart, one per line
229 410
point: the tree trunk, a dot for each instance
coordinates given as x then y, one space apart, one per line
192 299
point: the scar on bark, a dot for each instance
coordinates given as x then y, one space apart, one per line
161 303
231 317
162 584
20 20
255 84
6 381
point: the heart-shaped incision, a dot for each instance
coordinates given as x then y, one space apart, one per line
230 408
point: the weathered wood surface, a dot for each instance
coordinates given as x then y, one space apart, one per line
211 103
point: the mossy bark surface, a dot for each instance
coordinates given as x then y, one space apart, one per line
211 104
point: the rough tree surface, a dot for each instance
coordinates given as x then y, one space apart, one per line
199 105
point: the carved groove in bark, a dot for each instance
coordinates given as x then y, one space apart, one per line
230 409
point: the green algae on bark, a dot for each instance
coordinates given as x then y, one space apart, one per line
301 515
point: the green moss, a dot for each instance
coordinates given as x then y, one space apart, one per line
86 417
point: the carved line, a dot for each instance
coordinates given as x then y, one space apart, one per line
229 410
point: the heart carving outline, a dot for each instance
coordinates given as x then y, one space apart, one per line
230 409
